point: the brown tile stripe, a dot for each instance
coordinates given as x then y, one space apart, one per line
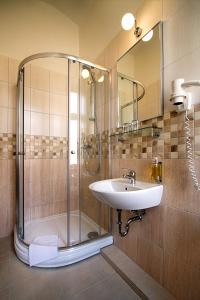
45 147
7 146
170 144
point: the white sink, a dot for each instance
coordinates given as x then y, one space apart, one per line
120 194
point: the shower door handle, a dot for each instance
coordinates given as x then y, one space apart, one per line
72 152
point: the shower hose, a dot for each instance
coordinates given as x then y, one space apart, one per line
189 150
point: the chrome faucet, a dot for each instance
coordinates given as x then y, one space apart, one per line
131 176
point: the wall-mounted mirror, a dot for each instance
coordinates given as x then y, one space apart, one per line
140 79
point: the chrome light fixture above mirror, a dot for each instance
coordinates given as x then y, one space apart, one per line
128 21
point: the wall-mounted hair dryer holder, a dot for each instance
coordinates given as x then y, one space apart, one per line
179 97
183 102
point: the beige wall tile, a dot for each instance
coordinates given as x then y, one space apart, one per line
5 200
58 83
11 174
39 78
58 208
177 181
4 68
3 120
11 120
58 126
151 228
171 7
40 211
58 180
39 182
39 124
27 122
150 258
39 101
185 38
3 94
27 189
4 174
180 278
58 104
4 215
27 98
12 95
104 219
115 168
181 236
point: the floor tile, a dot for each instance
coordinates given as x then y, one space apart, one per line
88 279
112 288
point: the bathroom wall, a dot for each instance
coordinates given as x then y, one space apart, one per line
166 243
29 27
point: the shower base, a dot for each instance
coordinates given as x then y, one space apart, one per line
80 226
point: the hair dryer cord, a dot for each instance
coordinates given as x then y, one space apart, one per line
189 150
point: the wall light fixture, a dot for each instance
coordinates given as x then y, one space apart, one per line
128 21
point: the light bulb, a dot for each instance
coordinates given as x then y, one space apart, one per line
148 36
127 21
101 79
85 73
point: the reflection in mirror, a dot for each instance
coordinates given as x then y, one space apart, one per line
140 79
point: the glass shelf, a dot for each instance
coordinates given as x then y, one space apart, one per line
146 131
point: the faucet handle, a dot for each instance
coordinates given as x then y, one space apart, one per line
131 172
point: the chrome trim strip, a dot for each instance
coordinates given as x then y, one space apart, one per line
60 55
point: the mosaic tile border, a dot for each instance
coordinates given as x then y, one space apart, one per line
37 147
170 144
7 146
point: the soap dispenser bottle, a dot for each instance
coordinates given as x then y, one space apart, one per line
156 170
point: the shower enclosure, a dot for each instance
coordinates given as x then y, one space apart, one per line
62 147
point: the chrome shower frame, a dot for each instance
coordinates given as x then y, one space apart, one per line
19 231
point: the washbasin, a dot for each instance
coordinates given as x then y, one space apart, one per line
120 194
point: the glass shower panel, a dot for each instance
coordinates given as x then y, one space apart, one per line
45 138
92 98
73 220
102 100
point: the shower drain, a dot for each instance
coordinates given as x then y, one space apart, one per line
93 235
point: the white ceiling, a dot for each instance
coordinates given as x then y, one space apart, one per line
98 21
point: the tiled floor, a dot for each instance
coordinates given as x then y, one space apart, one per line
90 279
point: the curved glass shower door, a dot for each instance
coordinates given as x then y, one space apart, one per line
45 145
94 164
62 148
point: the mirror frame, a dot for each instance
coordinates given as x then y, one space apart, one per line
160 24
